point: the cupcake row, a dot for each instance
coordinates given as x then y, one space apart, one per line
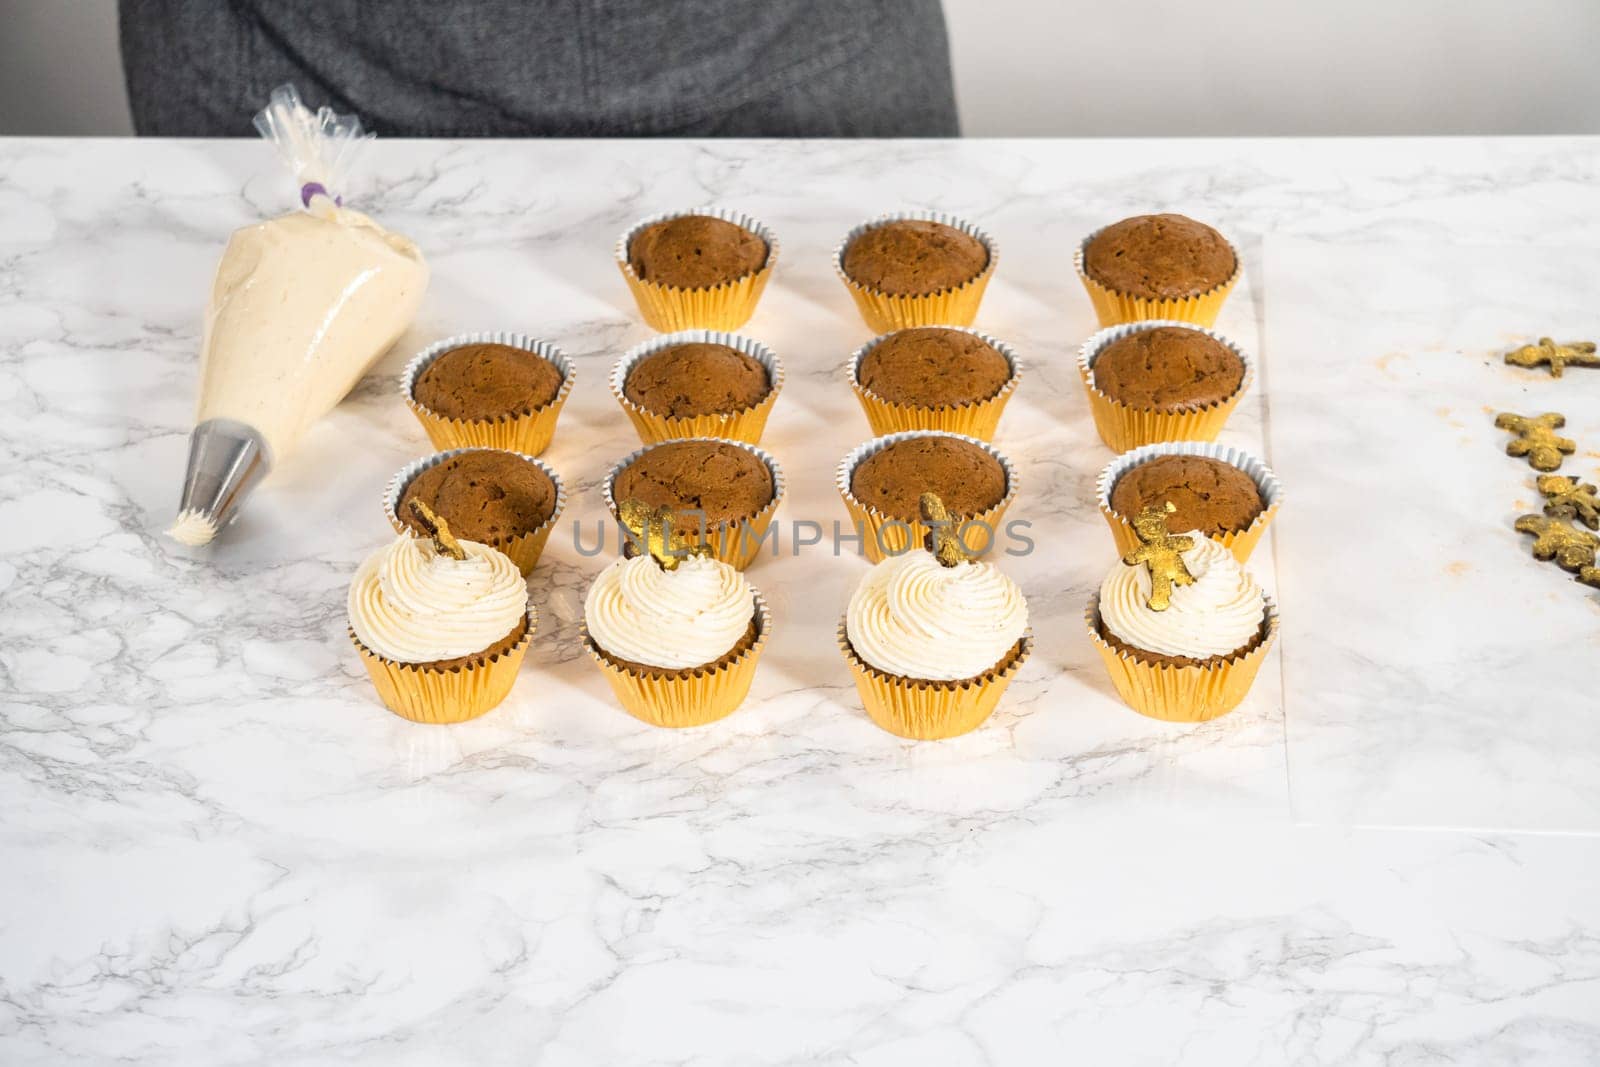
503 505
932 637
731 490
1146 383
507 390
1181 626
707 269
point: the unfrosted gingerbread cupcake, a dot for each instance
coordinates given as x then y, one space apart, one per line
919 269
491 390
728 489
698 383
1157 267
1225 493
697 269
882 483
934 378
1161 381
503 499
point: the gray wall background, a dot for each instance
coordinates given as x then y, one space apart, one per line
1083 67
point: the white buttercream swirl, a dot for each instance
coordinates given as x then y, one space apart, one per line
411 604
913 617
686 617
1219 614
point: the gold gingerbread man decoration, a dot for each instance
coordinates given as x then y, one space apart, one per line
1161 552
1590 576
1569 498
1537 438
1557 357
653 529
944 536
444 542
1572 549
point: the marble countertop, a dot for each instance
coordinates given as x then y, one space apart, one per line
218 848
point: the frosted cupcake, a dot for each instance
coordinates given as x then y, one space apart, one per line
1182 627
933 638
676 632
441 625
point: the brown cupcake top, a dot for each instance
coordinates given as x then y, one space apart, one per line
933 366
723 481
1168 368
488 495
499 648
967 478
696 378
486 381
739 648
914 257
695 252
1159 257
1210 496
1144 655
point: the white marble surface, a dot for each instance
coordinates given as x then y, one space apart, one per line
1454 683
218 848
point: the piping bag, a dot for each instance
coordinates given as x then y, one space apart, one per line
301 306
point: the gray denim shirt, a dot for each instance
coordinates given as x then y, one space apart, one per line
576 68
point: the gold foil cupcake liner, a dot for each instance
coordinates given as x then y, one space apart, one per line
1240 542
734 543
977 418
745 425
720 307
528 432
676 699
426 694
929 711
1181 694
884 536
885 312
525 549
1123 427
1113 308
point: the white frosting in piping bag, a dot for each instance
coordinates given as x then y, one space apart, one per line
411 604
677 619
1220 613
914 617
301 307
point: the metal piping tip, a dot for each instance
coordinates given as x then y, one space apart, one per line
226 461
